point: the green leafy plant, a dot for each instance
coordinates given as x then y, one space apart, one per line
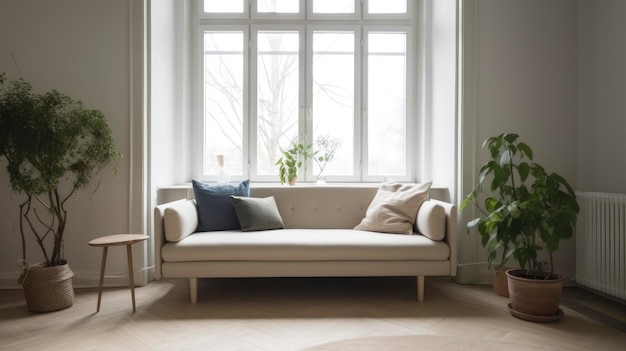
53 147
292 160
524 208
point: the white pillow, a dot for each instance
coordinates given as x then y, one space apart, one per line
394 208
431 221
180 220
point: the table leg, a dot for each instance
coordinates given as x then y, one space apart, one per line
102 265
131 278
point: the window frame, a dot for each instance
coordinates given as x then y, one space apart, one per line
199 118
361 26
410 109
358 103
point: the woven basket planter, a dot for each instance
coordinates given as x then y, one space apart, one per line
47 288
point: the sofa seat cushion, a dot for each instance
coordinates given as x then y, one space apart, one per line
303 245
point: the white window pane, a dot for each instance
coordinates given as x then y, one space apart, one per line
224 6
333 6
216 43
388 43
277 96
278 6
223 100
387 6
386 104
333 96
325 43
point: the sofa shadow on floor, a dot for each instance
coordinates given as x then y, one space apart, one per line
339 297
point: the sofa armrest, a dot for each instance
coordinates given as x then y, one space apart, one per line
182 219
451 232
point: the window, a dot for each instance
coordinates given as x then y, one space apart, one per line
281 71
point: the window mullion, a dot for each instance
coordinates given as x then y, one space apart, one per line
305 118
252 93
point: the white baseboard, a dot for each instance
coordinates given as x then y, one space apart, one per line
84 279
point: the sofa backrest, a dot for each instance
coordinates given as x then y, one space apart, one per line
319 207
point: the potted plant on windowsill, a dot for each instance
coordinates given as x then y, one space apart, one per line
525 211
292 160
53 147
327 146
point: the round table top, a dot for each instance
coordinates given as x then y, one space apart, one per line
118 239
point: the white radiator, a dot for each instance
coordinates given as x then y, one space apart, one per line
601 243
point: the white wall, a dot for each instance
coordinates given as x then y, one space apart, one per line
438 109
520 70
88 50
168 100
602 96
554 72
169 95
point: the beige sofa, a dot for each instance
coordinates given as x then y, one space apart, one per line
318 240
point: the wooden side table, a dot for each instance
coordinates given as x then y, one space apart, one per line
117 240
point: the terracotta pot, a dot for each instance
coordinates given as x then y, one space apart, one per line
534 297
500 281
292 181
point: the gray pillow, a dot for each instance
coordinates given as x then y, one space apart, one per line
256 213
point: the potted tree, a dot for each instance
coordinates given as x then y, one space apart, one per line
525 211
292 160
53 147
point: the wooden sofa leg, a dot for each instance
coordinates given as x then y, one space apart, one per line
193 289
420 288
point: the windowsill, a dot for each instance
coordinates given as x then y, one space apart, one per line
301 185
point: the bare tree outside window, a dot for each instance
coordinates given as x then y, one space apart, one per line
277 96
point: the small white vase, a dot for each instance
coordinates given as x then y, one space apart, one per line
223 174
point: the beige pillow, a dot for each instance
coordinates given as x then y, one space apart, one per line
180 220
431 220
394 208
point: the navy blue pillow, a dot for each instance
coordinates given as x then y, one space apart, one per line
215 207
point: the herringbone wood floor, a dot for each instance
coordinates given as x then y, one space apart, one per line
284 314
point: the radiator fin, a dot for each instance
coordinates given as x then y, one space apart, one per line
601 243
